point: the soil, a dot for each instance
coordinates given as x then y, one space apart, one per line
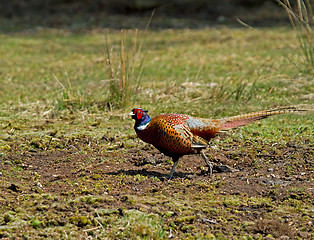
87 167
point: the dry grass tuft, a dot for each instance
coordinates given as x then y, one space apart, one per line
301 18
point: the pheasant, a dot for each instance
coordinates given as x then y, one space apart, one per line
176 135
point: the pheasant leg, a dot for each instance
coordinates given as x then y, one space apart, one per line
209 164
175 163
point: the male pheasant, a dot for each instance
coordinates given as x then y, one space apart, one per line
176 135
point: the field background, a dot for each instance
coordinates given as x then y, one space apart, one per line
71 166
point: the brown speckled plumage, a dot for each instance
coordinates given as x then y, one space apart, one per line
171 134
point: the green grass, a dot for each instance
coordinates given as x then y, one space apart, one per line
51 77
57 71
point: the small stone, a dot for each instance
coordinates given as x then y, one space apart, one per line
208 221
38 184
284 237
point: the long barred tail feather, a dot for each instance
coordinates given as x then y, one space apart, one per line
241 120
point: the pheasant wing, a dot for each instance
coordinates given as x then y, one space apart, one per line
204 128
172 135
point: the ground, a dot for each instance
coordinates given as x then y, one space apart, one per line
86 186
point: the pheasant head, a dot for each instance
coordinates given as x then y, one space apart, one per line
141 118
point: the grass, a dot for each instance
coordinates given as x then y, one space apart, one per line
301 18
124 71
219 56
56 93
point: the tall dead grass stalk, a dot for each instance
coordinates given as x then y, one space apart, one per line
301 17
125 66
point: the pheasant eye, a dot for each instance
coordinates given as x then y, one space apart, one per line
139 114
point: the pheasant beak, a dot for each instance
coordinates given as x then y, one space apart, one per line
131 114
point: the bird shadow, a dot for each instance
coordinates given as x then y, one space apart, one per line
152 174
